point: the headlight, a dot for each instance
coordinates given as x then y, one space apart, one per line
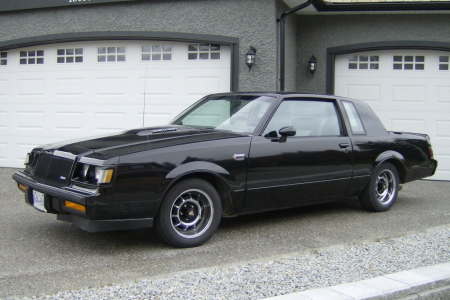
31 159
103 176
92 174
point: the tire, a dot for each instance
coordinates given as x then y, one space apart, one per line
381 192
190 214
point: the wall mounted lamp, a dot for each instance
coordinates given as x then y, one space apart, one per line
312 65
250 57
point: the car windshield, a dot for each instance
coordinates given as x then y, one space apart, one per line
234 113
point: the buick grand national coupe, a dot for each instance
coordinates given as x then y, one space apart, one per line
226 155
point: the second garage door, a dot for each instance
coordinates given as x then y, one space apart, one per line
408 89
56 92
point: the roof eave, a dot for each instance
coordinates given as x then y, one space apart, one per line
322 6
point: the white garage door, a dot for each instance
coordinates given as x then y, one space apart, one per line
408 89
56 92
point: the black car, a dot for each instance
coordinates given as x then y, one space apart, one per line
226 155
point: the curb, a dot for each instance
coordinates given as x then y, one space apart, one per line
422 283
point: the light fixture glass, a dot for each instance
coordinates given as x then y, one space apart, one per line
312 65
250 57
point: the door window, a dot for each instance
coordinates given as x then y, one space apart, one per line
308 117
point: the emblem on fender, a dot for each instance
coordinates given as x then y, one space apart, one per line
239 157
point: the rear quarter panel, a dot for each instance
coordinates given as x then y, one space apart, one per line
408 152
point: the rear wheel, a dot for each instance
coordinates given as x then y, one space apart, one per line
381 192
190 214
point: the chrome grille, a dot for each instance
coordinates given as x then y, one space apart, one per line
53 170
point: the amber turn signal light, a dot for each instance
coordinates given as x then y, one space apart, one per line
22 187
75 206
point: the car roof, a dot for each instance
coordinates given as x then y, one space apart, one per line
283 94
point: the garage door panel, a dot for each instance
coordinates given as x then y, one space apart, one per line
165 113
58 101
443 94
201 85
443 163
69 87
4 91
157 119
443 129
407 125
158 86
115 87
366 92
3 152
68 121
408 93
405 100
3 120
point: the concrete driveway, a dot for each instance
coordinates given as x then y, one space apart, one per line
39 254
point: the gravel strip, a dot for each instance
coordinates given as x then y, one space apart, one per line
286 274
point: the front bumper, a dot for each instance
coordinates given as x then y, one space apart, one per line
93 220
106 225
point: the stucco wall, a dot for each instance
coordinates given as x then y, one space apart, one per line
252 21
290 47
316 33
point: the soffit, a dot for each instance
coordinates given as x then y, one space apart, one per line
372 6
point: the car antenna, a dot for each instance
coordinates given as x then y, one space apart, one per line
145 90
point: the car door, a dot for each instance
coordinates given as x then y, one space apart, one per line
315 165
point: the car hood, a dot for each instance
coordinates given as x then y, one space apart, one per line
137 140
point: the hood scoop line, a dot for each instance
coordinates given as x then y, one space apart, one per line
157 131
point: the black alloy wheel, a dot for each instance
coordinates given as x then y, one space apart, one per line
381 192
190 214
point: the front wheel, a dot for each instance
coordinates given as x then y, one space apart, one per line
381 192
190 214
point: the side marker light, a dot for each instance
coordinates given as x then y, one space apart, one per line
75 206
22 187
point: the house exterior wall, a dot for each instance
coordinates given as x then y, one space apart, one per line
290 47
253 22
317 33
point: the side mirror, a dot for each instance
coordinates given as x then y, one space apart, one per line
285 132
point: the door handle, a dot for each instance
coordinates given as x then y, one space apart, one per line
344 145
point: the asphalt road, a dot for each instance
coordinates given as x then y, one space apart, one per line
39 254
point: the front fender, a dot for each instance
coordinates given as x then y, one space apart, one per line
198 166
230 189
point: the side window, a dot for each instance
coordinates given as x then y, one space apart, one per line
308 117
355 122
